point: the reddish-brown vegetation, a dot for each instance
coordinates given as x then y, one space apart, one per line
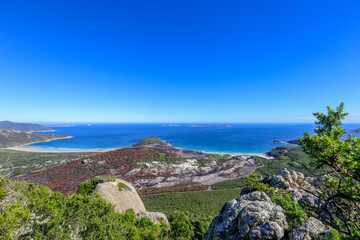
176 188
66 177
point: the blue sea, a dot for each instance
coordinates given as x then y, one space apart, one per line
240 138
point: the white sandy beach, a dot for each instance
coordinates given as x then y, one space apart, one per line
26 148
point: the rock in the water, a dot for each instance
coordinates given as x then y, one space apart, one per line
123 200
155 217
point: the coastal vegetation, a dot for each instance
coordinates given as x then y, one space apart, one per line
32 127
190 213
9 138
24 162
341 188
210 202
29 211
35 212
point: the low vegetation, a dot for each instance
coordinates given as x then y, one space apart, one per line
25 162
207 203
34 212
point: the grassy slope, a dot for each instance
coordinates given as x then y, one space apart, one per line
198 203
24 162
210 202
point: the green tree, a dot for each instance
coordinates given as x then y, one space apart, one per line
340 194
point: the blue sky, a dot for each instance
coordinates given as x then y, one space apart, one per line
178 60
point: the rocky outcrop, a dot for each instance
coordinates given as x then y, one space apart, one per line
312 230
304 190
124 196
122 200
155 217
254 216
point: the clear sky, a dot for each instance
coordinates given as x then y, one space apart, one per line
178 60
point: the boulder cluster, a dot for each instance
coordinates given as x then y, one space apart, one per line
254 215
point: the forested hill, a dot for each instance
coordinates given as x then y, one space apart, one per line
10 138
33 127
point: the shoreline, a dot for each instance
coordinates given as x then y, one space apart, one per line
26 148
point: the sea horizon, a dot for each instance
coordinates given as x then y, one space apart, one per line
240 138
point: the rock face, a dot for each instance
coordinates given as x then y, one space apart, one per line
254 216
311 230
123 200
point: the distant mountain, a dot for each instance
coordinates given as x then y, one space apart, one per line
33 127
10 138
354 131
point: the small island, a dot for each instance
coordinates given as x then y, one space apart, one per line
60 125
207 125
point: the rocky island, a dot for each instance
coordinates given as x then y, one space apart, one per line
208 125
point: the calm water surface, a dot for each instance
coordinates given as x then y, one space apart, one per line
240 138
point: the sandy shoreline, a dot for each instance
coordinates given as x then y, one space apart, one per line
26 148
42 150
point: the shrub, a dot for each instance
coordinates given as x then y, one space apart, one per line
123 185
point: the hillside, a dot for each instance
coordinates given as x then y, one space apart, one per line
10 138
23 162
154 167
210 202
32 127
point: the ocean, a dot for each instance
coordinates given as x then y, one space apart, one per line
240 138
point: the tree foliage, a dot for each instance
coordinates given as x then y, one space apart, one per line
331 147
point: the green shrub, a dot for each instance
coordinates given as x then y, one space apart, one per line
89 187
123 185
35 212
